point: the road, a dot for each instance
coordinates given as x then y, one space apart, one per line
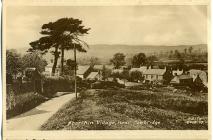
33 119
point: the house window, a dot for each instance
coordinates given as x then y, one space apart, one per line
152 76
156 76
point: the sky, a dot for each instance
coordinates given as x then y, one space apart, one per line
131 25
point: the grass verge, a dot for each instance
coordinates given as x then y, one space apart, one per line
125 109
22 103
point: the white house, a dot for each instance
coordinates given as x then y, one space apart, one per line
48 70
154 74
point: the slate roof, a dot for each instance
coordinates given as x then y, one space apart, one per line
141 69
82 69
92 75
155 72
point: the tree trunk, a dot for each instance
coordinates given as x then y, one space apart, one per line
62 61
56 55
75 72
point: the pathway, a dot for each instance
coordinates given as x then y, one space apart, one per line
33 119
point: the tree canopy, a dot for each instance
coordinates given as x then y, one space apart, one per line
62 34
138 60
118 60
34 60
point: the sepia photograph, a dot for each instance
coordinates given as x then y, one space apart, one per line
123 67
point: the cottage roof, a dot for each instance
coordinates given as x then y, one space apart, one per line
99 67
82 69
92 75
141 69
155 72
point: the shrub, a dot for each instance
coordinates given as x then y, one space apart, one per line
135 76
106 84
19 87
22 103
52 85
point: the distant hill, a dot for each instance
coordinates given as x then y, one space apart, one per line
105 52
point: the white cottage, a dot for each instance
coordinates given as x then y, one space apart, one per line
48 70
154 74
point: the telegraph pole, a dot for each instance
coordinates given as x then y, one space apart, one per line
75 73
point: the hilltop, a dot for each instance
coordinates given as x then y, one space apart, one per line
105 51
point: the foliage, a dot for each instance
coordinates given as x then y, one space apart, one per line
69 67
136 76
198 84
94 61
20 88
106 84
167 76
34 60
139 60
116 75
13 63
22 103
150 59
118 60
62 34
52 85
106 72
124 75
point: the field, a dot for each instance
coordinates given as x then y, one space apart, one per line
124 109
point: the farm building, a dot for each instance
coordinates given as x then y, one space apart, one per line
182 80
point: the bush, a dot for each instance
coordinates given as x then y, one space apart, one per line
22 103
52 85
20 88
136 76
106 84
